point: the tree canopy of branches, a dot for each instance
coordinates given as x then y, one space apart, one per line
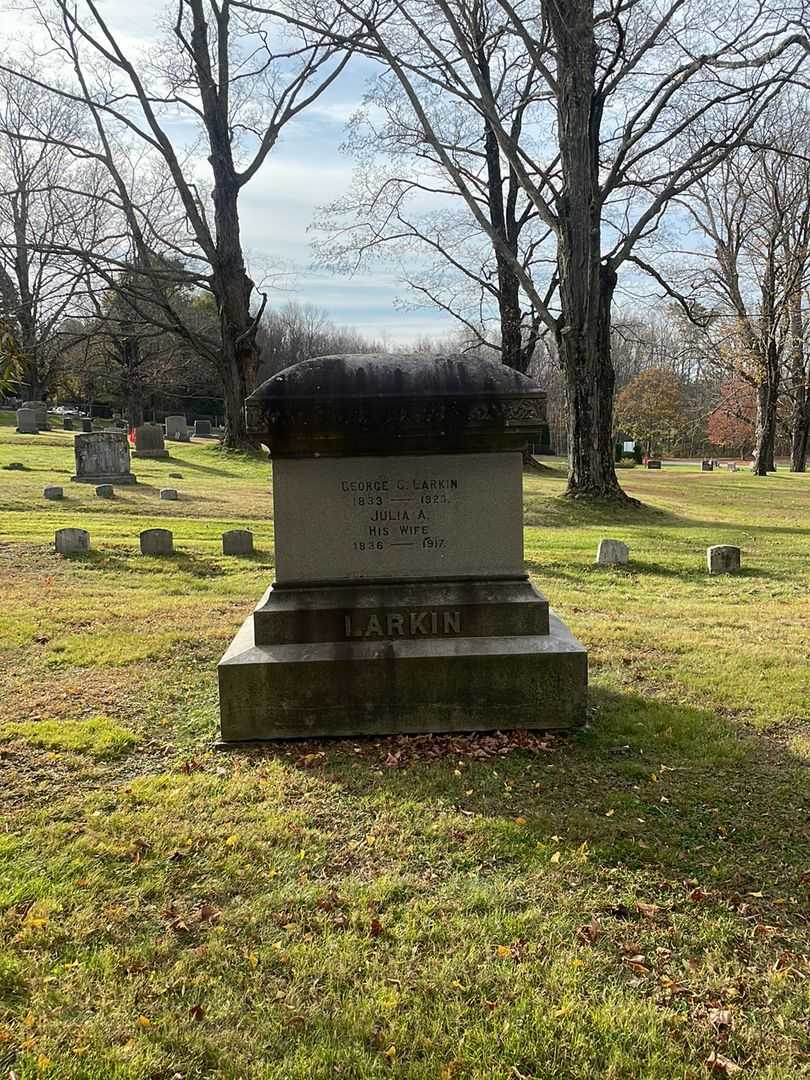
651 409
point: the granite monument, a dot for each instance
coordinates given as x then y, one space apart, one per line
102 457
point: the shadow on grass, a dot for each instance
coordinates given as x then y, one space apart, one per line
673 790
696 573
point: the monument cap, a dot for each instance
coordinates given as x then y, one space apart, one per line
393 403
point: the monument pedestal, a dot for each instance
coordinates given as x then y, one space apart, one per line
401 602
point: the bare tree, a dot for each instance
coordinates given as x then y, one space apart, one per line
237 79
643 98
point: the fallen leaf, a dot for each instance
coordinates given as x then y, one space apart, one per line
376 928
232 840
649 911
720 1019
144 1021
504 950
521 821
43 1062
721 1065
196 1012
391 1052
555 858
589 932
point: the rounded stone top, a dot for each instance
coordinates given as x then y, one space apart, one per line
390 403
361 375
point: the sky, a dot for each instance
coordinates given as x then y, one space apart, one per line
305 170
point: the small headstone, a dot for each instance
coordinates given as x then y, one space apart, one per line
102 457
87 425
27 422
41 409
177 429
732 467
16 466
105 491
237 542
52 492
70 541
202 429
121 425
176 475
156 542
168 494
707 466
653 463
612 553
149 442
67 423
723 559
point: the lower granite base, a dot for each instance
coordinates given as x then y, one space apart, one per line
536 681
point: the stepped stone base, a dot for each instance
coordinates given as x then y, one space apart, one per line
101 478
374 660
156 454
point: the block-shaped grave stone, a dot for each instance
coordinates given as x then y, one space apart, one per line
67 423
41 409
87 425
732 467
27 422
177 429
202 429
149 442
71 541
156 542
168 494
707 466
653 463
401 601
105 491
237 542
52 492
102 457
723 559
612 553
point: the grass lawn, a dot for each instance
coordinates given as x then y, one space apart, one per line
627 902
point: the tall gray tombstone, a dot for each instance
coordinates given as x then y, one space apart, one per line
41 409
102 457
177 429
27 422
149 442
401 601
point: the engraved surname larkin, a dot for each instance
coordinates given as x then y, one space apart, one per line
403 624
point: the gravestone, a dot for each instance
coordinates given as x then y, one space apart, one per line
52 492
401 601
612 553
732 467
149 442
237 542
71 541
177 429
653 463
105 491
723 559
41 409
102 457
27 422
87 425
168 494
67 423
202 429
707 466
156 542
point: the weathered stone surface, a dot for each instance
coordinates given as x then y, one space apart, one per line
612 553
177 429
653 463
723 559
102 457
149 442
27 422
156 542
105 491
237 542
16 466
87 425
168 494
71 541
410 517
176 475
732 467
707 466
202 429
41 410
67 423
52 492
401 601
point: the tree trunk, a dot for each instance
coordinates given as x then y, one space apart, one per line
586 285
800 379
765 423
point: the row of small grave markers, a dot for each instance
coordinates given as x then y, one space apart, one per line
104 491
720 558
152 542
